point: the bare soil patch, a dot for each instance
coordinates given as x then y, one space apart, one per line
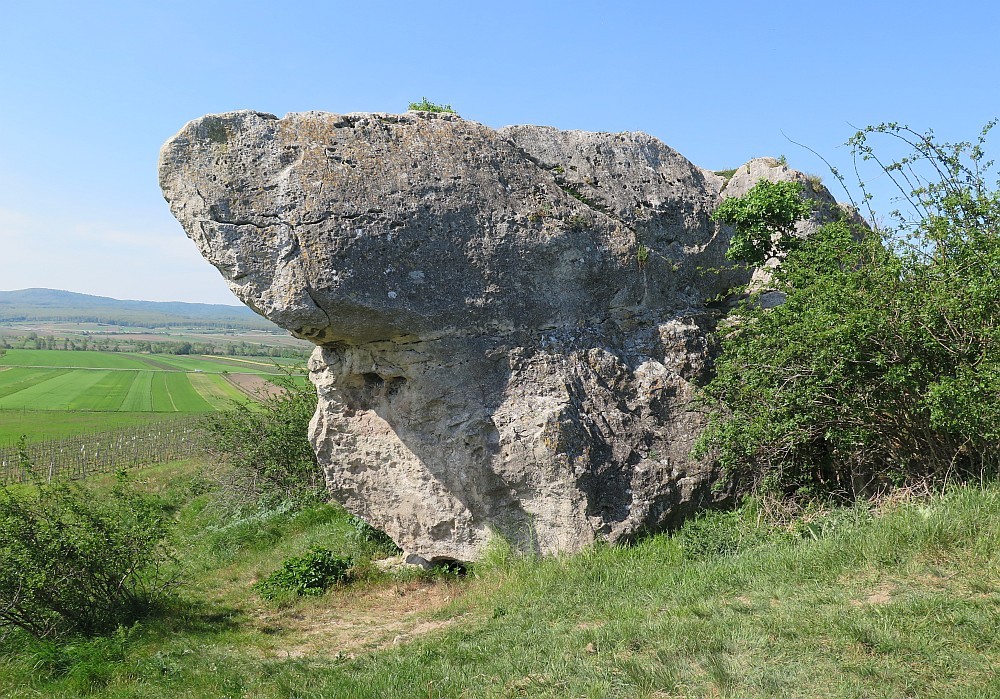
356 622
255 385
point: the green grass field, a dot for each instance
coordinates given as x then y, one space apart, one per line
113 390
55 393
902 600
38 425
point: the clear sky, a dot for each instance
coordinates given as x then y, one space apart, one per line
91 90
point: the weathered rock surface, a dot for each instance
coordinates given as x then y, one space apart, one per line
510 323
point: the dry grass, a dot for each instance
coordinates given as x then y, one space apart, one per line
347 622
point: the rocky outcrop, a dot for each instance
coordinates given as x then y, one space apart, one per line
509 324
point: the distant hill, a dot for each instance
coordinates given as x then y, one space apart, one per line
68 306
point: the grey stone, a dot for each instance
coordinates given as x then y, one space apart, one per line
509 324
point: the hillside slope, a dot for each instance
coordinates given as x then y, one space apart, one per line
67 306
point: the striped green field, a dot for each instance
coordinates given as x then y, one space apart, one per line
42 381
67 358
18 379
114 390
220 394
139 397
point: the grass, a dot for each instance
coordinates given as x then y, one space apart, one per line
69 381
219 393
18 379
38 425
726 174
69 358
112 390
899 601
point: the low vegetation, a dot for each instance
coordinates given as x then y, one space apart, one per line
425 105
897 598
309 574
74 562
263 449
882 366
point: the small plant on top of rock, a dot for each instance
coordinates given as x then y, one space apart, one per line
425 105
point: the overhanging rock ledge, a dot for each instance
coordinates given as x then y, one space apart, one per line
509 323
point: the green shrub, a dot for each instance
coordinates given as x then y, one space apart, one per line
74 562
310 574
883 364
424 105
764 219
266 446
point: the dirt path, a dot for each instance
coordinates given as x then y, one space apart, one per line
350 625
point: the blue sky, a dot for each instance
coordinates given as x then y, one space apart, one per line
91 90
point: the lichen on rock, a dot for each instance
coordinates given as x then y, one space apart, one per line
509 323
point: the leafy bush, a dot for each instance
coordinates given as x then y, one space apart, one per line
72 562
310 574
266 446
424 105
883 364
764 220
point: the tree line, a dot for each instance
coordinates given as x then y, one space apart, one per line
104 343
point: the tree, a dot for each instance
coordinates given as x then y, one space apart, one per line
883 364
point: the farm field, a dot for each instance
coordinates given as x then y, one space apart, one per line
99 330
115 390
71 359
54 393
40 425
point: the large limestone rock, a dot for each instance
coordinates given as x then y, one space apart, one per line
509 324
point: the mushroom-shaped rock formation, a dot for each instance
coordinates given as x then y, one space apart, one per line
509 323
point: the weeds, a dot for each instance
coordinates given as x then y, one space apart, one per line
310 574
369 540
425 105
